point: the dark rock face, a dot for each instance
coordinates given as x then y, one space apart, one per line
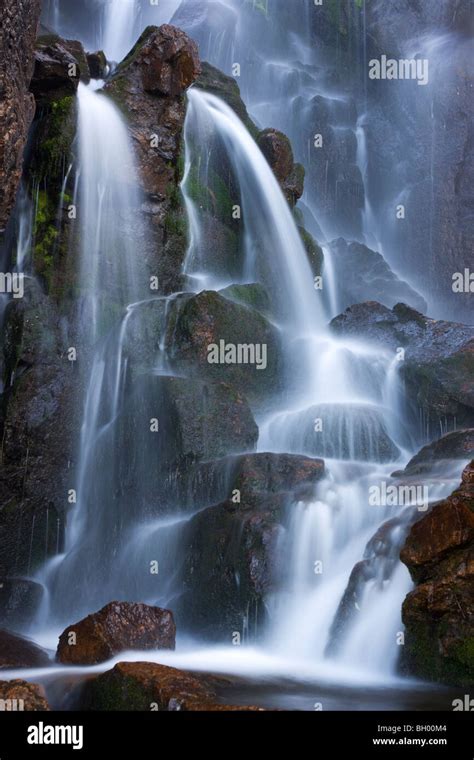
19 599
456 445
208 318
363 275
148 686
197 421
436 237
115 628
30 696
439 612
225 88
264 473
38 431
276 148
149 86
59 66
231 549
19 652
97 63
17 38
439 357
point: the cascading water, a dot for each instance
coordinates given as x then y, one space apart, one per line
110 279
355 420
265 256
341 584
120 25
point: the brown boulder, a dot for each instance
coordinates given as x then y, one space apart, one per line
167 59
449 526
145 686
97 63
273 473
20 695
17 107
148 86
439 613
277 149
116 627
19 652
59 67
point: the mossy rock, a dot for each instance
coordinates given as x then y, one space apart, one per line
253 295
313 251
207 320
422 655
53 143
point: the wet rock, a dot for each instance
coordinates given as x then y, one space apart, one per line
363 274
265 473
230 565
439 357
22 695
59 67
456 445
207 324
439 613
148 86
232 558
116 627
38 431
225 88
334 182
197 421
19 600
449 526
148 686
17 107
313 251
19 652
434 241
253 295
276 148
97 63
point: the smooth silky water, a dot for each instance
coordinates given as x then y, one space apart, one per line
352 388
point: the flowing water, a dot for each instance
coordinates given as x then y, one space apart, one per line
342 400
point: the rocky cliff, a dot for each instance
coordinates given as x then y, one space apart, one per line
439 612
20 20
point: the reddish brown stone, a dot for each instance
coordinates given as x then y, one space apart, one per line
17 106
447 527
439 613
19 696
117 627
277 149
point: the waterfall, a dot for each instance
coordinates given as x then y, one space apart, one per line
336 601
273 251
120 26
110 279
108 205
